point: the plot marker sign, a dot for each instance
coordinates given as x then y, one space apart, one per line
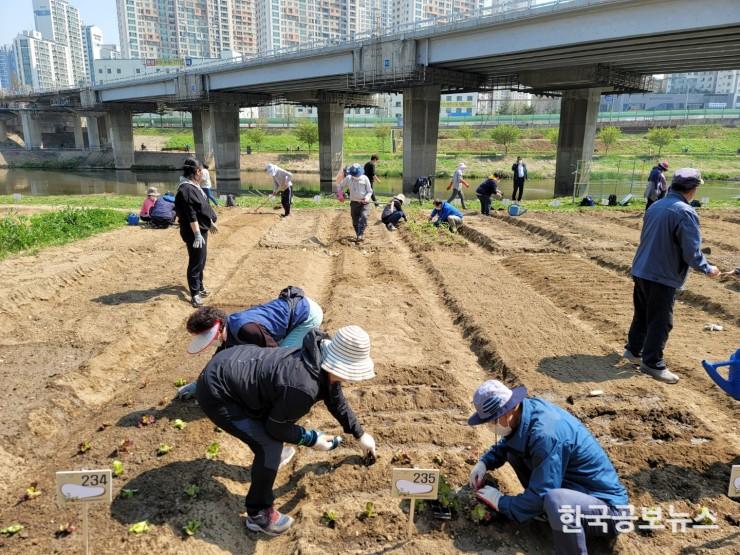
84 487
413 484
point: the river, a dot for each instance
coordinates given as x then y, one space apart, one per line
61 182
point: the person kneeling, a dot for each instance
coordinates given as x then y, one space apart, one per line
557 460
257 395
393 212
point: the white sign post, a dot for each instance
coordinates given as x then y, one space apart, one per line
734 489
84 487
413 484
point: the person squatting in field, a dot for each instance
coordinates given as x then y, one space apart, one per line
258 395
557 460
281 183
445 213
282 322
393 212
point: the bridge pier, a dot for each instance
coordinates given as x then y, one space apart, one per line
331 139
420 126
225 124
203 134
31 131
77 129
121 135
579 109
93 132
3 131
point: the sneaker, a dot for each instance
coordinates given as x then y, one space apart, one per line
660 374
270 522
204 292
286 456
196 301
390 227
629 355
359 239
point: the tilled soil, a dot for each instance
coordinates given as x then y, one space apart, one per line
93 338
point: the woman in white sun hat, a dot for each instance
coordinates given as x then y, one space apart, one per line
258 395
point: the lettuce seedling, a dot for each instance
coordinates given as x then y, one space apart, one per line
178 424
124 447
191 528
212 451
84 447
64 530
179 382
127 493
140 527
329 519
11 530
191 490
31 492
146 420
117 467
163 449
369 511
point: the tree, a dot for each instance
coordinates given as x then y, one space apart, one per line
553 135
505 135
504 107
465 132
382 131
609 136
660 137
255 135
307 132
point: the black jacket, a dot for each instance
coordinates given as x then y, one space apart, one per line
487 188
191 205
276 385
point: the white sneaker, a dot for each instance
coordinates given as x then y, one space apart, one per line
633 358
660 374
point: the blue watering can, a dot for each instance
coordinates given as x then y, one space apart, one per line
731 385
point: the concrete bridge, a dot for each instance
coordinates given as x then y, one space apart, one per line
577 49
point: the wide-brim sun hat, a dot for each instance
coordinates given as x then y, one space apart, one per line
493 400
400 197
152 191
347 355
271 169
663 164
204 339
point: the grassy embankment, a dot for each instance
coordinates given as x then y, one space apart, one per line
29 233
711 148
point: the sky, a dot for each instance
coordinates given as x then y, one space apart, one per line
18 16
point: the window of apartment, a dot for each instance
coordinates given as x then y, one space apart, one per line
109 71
100 70
138 70
459 98
118 71
470 97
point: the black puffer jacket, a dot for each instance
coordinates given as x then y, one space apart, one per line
276 385
191 205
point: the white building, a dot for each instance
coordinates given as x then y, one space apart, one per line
408 11
108 70
58 21
92 42
8 73
42 64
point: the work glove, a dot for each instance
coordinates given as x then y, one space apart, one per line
186 391
325 442
490 496
713 272
367 443
199 242
271 198
477 475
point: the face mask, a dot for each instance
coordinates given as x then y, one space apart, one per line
501 431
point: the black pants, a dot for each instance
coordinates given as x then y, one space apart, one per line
234 420
457 193
196 264
286 199
485 204
394 218
652 321
518 186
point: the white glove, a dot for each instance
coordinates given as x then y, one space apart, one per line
199 242
477 475
187 391
325 442
368 444
271 198
490 496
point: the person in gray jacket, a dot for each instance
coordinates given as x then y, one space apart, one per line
282 182
670 244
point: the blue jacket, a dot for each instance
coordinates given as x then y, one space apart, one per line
164 208
278 317
557 451
445 212
670 242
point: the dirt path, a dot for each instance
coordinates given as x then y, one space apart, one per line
93 339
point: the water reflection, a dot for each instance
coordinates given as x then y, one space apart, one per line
61 182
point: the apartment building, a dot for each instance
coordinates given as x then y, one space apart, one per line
42 64
59 22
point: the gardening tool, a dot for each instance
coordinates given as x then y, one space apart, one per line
731 385
260 205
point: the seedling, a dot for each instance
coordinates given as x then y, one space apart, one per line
212 451
31 492
117 467
127 493
191 528
438 460
140 527
65 530
84 447
329 519
11 530
704 517
147 420
400 457
191 490
178 424
163 449
179 382
369 511
124 447
481 514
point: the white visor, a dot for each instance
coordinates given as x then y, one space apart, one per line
203 340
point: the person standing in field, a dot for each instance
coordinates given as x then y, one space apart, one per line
519 171
196 218
656 187
456 184
370 173
670 244
360 194
487 189
205 184
281 183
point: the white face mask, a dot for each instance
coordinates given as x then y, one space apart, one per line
501 431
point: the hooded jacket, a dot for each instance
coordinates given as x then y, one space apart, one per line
191 205
278 386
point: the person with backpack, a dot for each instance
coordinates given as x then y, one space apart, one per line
163 214
281 183
519 171
259 395
393 213
151 197
487 189
456 184
196 219
656 187
446 214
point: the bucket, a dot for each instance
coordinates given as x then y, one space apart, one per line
132 219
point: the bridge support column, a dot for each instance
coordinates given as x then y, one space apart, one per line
420 126
31 131
77 129
93 132
3 131
579 110
203 134
225 121
331 140
121 134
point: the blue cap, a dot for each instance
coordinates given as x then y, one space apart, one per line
493 400
355 170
